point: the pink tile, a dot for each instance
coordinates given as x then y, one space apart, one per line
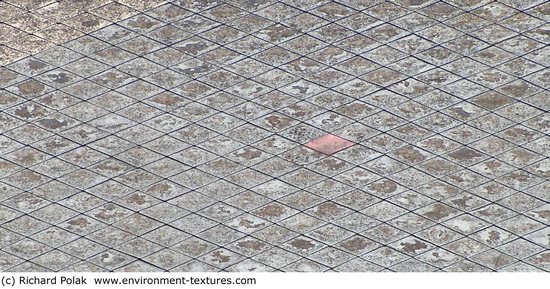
329 144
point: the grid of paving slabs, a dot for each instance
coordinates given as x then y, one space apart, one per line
275 135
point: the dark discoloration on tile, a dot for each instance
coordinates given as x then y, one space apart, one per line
274 135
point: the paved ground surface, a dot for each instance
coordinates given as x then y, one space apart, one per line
274 135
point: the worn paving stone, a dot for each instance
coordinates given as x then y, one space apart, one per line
304 136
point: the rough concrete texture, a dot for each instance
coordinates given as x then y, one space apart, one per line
295 135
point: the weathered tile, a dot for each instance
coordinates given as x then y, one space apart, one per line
148 133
